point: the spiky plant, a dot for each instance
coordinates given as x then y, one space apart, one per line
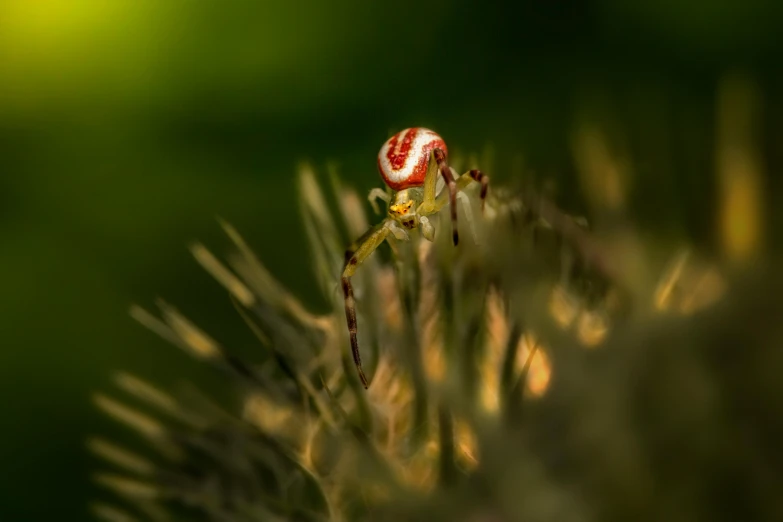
542 374
444 350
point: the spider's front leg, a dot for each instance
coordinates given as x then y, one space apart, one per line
438 165
433 203
365 246
479 177
462 183
375 195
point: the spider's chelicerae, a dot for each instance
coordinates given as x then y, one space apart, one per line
410 163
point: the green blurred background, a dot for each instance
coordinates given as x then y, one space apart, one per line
127 126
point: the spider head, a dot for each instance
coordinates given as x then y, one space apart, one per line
403 210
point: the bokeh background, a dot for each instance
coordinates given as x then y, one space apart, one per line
127 126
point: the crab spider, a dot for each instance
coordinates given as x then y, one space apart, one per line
410 163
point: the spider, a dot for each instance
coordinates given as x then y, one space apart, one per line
409 163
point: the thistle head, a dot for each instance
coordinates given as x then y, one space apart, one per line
493 369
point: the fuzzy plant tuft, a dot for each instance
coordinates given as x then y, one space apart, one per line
541 371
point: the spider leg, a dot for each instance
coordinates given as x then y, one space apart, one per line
365 246
431 185
463 182
434 202
479 177
445 171
375 195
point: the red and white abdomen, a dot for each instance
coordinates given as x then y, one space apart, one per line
404 157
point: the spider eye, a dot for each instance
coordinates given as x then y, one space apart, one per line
401 208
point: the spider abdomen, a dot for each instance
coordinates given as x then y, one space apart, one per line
403 159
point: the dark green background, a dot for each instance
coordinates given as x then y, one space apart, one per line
125 127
